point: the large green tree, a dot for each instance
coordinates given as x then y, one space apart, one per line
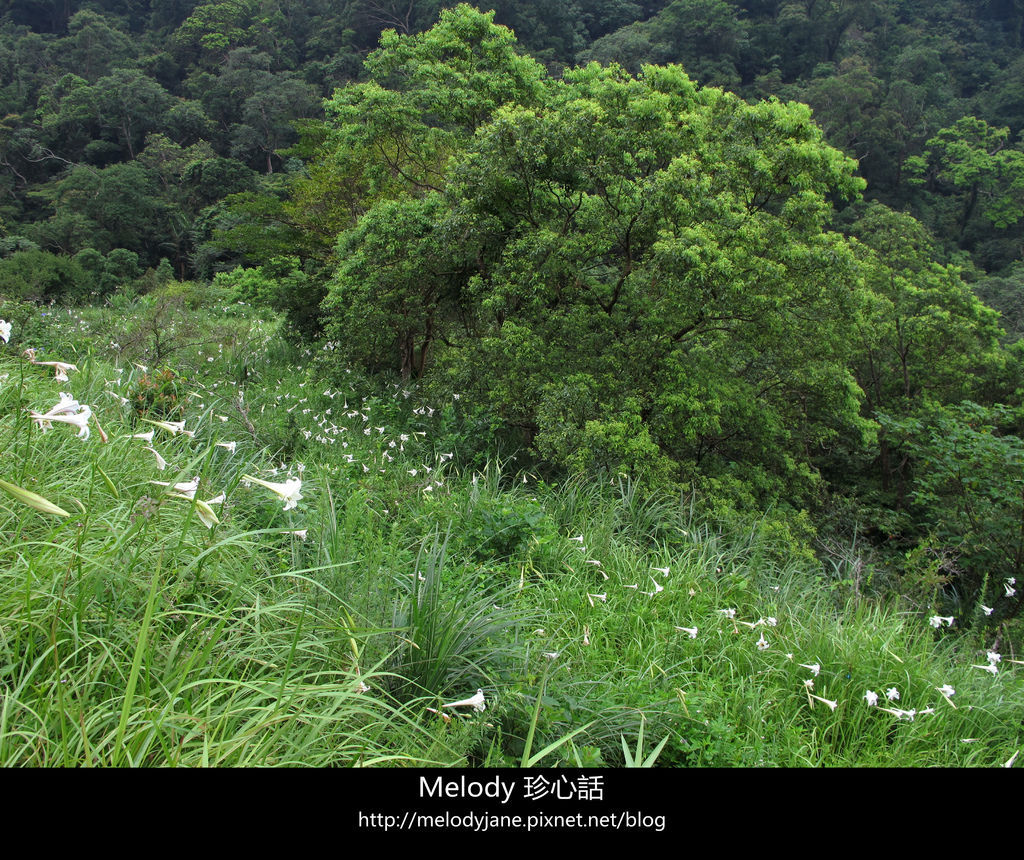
976 164
635 271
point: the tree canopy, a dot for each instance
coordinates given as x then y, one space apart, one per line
634 270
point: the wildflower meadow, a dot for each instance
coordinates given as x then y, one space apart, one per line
245 554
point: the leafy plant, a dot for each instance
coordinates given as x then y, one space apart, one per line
636 758
452 637
158 394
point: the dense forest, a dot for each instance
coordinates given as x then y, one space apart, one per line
762 256
127 125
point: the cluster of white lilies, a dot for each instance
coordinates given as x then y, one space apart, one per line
764 624
70 411
67 411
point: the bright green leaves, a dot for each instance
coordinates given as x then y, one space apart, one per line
633 271
460 71
388 295
975 160
924 334
214 28
425 97
969 495
660 239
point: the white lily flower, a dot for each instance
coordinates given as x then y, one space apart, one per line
871 697
946 690
172 427
901 714
145 437
161 463
832 705
993 657
1009 762
991 667
762 644
892 694
122 400
988 610
289 491
813 668
728 613
476 702
657 588
5 331
79 420
1010 590
60 368
230 446
186 488
691 630
299 533
664 571
66 405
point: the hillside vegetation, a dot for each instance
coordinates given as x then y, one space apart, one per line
250 561
496 410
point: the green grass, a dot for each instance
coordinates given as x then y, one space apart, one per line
133 635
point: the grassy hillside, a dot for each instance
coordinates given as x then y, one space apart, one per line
337 564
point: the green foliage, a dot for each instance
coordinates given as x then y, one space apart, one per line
308 637
923 335
1005 293
43 277
582 436
660 245
968 494
505 527
389 290
248 285
454 636
158 395
705 36
974 159
636 758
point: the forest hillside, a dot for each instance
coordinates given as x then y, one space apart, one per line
383 383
